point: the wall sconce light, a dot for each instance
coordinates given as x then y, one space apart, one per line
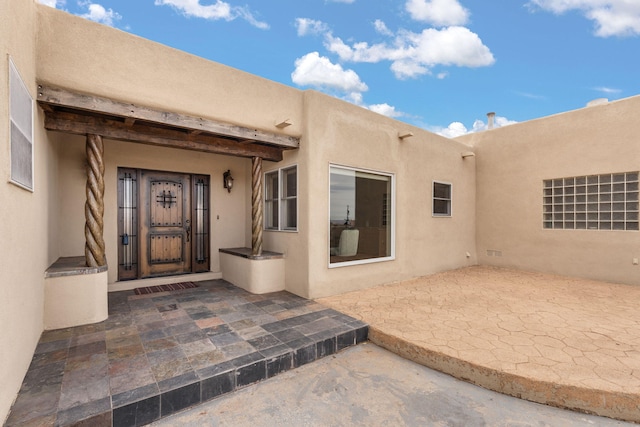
227 181
405 134
468 154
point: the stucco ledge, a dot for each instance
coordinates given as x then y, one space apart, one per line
256 274
74 294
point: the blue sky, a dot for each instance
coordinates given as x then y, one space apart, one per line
437 64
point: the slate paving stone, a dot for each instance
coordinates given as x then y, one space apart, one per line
197 347
237 349
131 380
134 395
159 353
43 359
152 335
222 340
127 351
152 326
217 330
288 335
46 347
196 335
160 344
252 332
203 360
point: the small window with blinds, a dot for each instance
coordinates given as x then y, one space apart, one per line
21 123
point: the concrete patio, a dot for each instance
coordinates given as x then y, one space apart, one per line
560 341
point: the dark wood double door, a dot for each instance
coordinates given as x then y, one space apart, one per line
163 223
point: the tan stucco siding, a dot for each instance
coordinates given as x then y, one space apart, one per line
343 134
512 163
293 244
85 57
26 234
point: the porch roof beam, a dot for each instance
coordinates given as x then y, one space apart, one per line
57 97
141 132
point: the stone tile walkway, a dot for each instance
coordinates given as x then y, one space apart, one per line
556 340
159 353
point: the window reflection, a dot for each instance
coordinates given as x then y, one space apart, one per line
360 215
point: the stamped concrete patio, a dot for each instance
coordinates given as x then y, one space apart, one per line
561 341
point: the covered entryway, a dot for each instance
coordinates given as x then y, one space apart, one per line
155 224
159 235
163 223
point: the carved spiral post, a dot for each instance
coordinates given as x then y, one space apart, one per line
256 206
94 252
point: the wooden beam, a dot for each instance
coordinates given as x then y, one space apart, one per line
140 132
64 98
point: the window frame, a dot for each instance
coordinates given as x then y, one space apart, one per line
434 198
392 226
281 199
596 202
15 79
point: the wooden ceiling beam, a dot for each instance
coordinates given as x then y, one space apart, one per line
56 97
140 132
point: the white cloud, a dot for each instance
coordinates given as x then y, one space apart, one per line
100 14
441 13
319 72
52 3
607 90
308 26
403 69
611 17
247 15
414 54
386 110
382 28
214 12
456 129
531 95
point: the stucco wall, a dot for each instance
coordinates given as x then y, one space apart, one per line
343 134
292 244
83 56
25 233
86 57
512 163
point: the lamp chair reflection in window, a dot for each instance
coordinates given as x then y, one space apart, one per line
348 244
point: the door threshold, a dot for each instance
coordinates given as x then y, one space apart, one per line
128 285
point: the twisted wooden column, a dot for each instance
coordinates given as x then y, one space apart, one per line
94 252
256 206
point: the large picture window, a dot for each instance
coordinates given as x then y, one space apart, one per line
594 202
281 199
361 216
21 122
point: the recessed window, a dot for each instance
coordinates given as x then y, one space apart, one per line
360 216
281 199
21 122
594 202
441 199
